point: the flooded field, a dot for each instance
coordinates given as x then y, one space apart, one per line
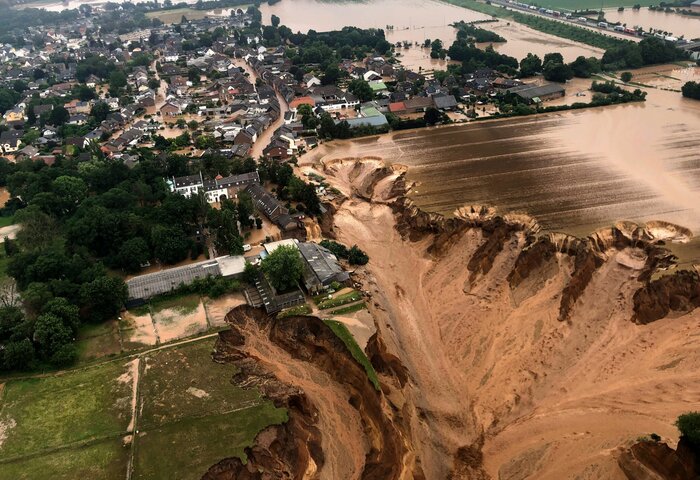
415 21
678 25
573 171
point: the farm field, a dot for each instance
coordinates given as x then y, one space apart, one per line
81 423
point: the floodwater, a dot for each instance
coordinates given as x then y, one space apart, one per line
678 25
416 21
573 171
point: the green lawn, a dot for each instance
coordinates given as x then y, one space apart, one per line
105 460
98 340
44 413
351 309
6 221
72 425
185 450
298 310
340 300
344 334
184 381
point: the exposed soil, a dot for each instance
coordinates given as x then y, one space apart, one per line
339 425
496 385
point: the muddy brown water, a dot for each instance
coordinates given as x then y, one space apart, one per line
573 171
671 22
415 21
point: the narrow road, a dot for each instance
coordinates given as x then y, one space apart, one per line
264 139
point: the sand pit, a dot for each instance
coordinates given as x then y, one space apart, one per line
137 329
549 399
178 322
218 309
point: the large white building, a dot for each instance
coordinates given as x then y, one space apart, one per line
216 189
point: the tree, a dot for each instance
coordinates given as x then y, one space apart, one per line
169 244
626 77
691 90
18 355
557 72
132 254
59 116
70 190
66 311
361 90
530 65
432 116
689 426
99 111
50 334
357 256
436 49
331 75
117 81
103 297
275 21
555 57
283 268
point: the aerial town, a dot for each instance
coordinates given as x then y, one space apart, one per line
308 239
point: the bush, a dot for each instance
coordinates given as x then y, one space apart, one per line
626 77
689 426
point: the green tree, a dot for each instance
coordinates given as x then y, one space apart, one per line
555 57
18 355
51 334
169 244
132 254
70 191
66 311
361 90
530 65
357 256
557 72
626 77
689 426
117 81
99 111
432 116
59 116
103 297
283 268
691 90
331 75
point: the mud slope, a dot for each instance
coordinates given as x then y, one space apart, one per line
536 356
339 424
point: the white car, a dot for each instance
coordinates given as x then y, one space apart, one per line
247 248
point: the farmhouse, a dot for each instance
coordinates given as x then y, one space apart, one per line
538 93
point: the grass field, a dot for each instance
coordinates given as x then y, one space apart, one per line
6 221
46 413
340 300
189 404
344 334
75 424
105 460
351 309
298 310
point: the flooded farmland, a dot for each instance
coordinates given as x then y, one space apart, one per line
415 21
678 25
573 171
